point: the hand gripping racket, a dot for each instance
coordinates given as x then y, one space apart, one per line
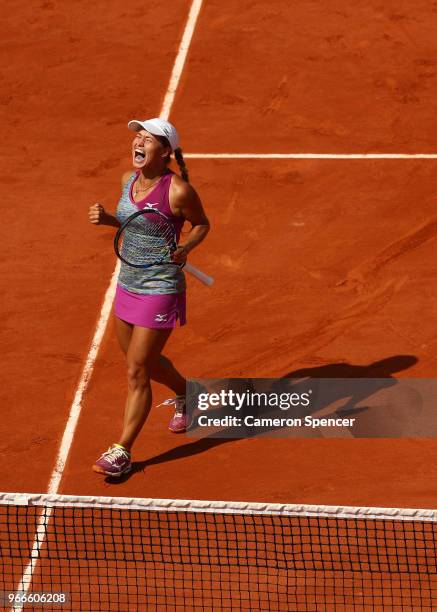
147 238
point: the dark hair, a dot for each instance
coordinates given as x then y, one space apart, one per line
178 156
181 163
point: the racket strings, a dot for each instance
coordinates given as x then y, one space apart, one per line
147 240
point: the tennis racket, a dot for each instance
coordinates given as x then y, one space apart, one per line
147 238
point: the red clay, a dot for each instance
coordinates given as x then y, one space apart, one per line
277 309
316 262
71 79
314 77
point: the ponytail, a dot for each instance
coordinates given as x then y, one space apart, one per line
181 163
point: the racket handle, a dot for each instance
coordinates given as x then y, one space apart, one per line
204 278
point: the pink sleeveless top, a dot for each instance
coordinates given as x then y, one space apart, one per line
159 198
161 279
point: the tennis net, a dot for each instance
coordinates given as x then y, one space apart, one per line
142 554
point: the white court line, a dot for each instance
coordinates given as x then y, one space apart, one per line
180 58
76 406
310 155
110 293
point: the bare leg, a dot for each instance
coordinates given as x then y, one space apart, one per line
143 352
164 372
124 333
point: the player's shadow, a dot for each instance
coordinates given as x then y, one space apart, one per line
173 454
384 368
364 381
378 375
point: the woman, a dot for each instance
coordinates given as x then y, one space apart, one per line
149 302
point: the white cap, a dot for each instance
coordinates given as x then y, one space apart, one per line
157 127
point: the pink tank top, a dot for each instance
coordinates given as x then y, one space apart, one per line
159 198
160 279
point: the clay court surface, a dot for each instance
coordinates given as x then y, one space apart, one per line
317 262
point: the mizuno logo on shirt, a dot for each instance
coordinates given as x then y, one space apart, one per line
160 318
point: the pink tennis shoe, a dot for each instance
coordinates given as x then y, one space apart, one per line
116 461
179 422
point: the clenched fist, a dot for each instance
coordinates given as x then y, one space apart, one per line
180 255
96 214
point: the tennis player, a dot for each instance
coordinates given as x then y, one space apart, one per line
149 302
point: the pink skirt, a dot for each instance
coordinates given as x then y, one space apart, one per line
154 311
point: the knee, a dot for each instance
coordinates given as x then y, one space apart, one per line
138 375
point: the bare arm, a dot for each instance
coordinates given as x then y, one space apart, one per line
99 216
185 203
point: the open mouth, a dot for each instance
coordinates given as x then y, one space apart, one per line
139 155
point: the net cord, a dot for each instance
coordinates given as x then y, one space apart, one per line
225 507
